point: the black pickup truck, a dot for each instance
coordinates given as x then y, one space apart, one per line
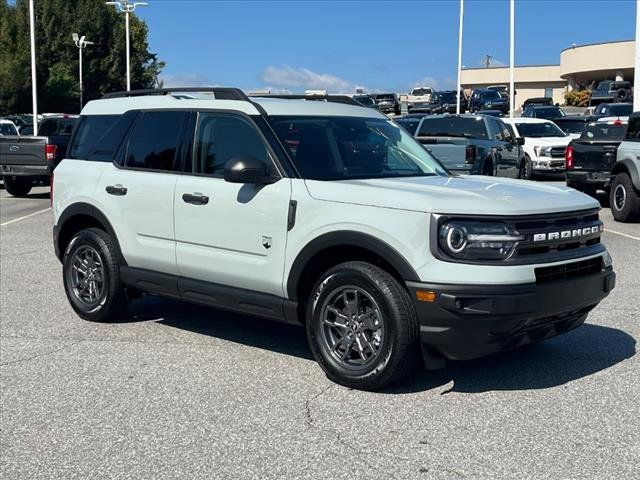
590 158
25 160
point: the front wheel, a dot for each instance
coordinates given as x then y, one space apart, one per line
526 169
623 198
18 187
362 327
91 275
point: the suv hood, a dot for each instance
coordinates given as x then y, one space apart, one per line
463 194
549 141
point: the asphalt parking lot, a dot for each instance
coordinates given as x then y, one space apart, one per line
180 391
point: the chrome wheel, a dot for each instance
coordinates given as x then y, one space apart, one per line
352 327
619 197
87 277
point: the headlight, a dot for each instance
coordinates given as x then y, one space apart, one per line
542 152
472 240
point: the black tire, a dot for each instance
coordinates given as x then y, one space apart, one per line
623 95
18 187
525 171
397 344
111 300
487 168
623 198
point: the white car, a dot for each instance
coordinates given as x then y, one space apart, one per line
544 145
324 215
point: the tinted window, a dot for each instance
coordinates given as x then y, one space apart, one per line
537 130
56 126
633 132
490 95
7 129
342 148
472 127
603 131
620 109
89 132
219 138
105 149
571 126
420 91
549 112
409 124
154 142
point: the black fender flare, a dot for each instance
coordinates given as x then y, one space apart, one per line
631 168
83 208
347 238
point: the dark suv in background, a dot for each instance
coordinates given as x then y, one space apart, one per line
609 91
446 102
485 99
387 102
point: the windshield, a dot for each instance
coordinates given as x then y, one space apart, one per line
537 130
365 100
549 112
490 95
409 124
386 97
420 91
571 126
470 127
345 148
7 129
447 97
604 131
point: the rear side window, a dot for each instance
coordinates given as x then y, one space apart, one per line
470 127
633 131
154 143
57 126
90 130
603 131
107 147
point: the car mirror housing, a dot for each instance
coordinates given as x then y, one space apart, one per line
247 170
520 140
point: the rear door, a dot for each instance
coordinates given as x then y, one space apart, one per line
137 194
233 234
507 151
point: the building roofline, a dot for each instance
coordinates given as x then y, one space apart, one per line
594 44
515 66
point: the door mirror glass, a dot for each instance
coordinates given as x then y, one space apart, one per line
246 170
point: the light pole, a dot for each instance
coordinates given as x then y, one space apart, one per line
458 93
127 7
512 93
81 43
636 69
34 88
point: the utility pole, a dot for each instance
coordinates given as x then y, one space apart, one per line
127 7
458 93
512 56
488 58
34 87
636 70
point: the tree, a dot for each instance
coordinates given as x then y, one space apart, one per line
57 57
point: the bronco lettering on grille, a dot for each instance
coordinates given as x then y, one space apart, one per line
566 234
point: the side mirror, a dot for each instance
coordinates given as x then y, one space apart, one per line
247 170
520 140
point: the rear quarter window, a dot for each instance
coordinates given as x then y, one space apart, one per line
90 131
633 131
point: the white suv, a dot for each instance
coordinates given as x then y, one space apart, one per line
319 214
544 145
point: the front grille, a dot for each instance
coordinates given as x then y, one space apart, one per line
559 233
567 271
557 152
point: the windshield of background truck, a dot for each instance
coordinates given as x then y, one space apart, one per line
549 112
538 130
604 131
347 148
7 129
470 127
418 92
490 95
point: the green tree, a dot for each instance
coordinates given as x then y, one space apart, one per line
57 57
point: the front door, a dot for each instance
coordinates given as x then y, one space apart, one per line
228 233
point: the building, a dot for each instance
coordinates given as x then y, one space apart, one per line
580 66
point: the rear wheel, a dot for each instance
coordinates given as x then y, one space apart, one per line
18 187
91 275
623 198
362 327
526 169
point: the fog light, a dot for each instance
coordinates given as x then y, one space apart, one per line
425 296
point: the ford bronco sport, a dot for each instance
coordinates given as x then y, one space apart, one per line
319 214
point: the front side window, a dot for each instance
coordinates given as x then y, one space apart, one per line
155 140
345 148
220 137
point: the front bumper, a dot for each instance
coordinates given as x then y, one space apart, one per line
469 321
549 164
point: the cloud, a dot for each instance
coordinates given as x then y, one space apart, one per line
185 80
426 82
291 77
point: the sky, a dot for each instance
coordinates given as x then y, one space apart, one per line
378 45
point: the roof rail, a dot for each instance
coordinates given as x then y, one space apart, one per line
220 93
328 98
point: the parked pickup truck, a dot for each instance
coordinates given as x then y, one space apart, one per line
473 144
419 99
590 158
611 91
624 196
25 160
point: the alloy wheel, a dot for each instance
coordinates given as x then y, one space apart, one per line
619 197
87 276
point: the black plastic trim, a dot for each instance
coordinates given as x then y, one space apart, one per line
211 294
291 216
632 170
351 239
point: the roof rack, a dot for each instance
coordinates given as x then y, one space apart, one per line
220 93
327 98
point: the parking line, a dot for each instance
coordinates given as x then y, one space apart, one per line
24 217
623 234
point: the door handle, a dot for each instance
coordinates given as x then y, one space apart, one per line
118 190
195 198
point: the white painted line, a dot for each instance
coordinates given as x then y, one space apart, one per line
24 217
623 234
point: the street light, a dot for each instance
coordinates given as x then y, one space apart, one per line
127 7
34 88
81 43
458 93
